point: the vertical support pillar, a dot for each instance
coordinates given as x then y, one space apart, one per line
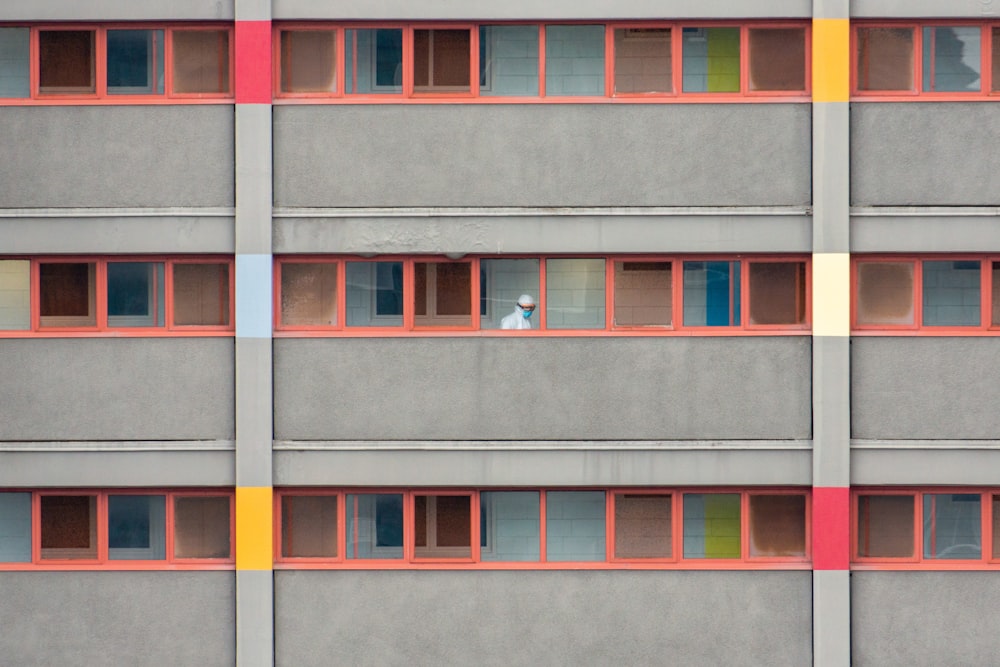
254 411
831 334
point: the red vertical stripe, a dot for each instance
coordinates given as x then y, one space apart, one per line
831 528
253 62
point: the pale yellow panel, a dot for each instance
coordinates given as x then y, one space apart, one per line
831 294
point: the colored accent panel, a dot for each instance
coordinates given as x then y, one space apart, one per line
253 528
831 528
253 296
831 294
253 62
831 60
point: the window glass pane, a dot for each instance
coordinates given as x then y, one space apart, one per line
201 294
777 58
309 526
66 61
442 294
996 294
69 527
885 526
777 292
374 61
951 59
951 293
15 294
885 58
711 60
308 294
642 60
996 60
15 527
15 62
952 526
67 297
135 294
374 294
442 526
201 61
509 525
501 284
885 293
137 527
441 60
308 61
574 60
777 526
201 527
508 60
374 525
135 62
711 294
574 525
711 525
574 293
643 294
642 526
996 527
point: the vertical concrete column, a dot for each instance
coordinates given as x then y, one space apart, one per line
254 413
831 334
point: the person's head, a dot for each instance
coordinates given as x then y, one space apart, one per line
526 304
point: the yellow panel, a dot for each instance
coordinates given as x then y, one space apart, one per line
831 60
831 294
254 534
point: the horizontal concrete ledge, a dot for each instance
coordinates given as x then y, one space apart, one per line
925 229
973 9
115 231
925 444
117 10
540 445
921 462
120 446
555 230
161 469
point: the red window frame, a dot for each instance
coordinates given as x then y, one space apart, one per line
102 560
410 327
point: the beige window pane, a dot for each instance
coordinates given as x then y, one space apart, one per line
201 61
643 294
201 527
309 526
777 293
15 294
643 60
201 294
777 59
885 526
777 525
642 526
308 294
885 293
885 58
308 61
66 61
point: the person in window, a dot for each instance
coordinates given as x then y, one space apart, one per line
521 317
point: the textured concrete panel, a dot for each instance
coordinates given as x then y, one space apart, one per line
129 468
924 154
981 9
507 388
116 389
542 618
924 619
542 155
925 388
116 10
177 155
119 619
919 230
876 463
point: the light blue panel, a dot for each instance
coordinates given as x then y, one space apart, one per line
253 296
951 293
575 525
952 526
511 527
951 59
15 527
14 62
574 60
509 60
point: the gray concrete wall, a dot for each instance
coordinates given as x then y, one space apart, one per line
973 9
600 388
542 155
542 618
924 619
116 389
924 154
925 388
116 10
118 619
87 156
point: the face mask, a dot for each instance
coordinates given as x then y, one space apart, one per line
527 313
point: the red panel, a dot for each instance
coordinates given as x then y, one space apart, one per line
253 62
831 528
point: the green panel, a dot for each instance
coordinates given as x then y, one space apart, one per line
722 525
723 60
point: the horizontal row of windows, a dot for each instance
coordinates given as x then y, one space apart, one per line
115 529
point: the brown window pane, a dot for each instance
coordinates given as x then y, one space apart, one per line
885 293
69 527
443 526
643 294
996 527
996 60
309 526
885 526
642 526
443 294
66 292
995 306
777 58
642 60
885 59
777 292
201 294
777 525
201 61
201 527
308 61
441 60
308 294
66 61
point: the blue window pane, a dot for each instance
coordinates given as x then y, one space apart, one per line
951 59
951 293
15 527
136 527
711 294
135 62
15 62
374 61
374 525
135 294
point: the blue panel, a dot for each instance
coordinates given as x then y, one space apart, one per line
253 296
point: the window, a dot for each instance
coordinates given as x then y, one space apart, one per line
308 61
442 526
441 60
643 61
97 529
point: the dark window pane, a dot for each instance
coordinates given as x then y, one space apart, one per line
66 61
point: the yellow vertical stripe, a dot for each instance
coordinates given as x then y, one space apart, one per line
831 60
254 520
831 294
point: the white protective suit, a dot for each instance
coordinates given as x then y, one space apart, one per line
517 320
